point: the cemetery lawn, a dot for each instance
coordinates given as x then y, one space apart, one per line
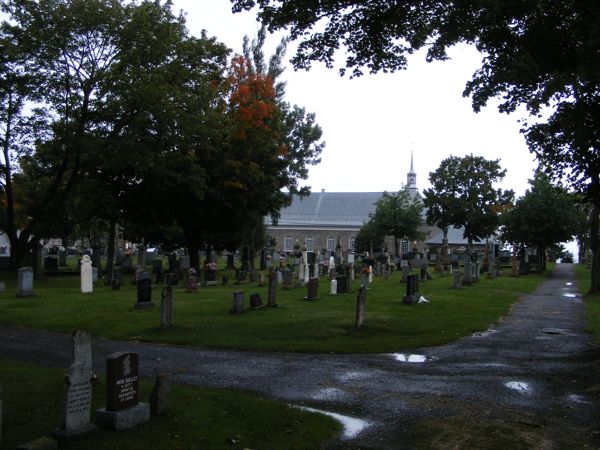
592 302
325 325
195 418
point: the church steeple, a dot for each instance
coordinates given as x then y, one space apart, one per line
411 177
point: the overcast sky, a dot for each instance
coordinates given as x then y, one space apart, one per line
371 124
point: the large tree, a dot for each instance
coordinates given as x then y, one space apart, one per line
463 195
542 54
544 216
398 215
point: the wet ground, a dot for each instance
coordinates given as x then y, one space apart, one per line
535 372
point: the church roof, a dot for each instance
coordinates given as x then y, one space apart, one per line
321 209
455 237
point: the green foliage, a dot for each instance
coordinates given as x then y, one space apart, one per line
369 238
398 215
462 194
545 215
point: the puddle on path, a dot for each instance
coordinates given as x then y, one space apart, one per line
576 398
485 333
406 357
352 426
349 376
570 295
568 283
520 386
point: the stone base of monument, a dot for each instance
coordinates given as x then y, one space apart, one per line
125 418
143 305
411 299
59 433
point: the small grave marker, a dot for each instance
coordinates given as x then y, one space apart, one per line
166 307
256 301
334 287
25 282
159 399
272 289
361 299
144 294
237 305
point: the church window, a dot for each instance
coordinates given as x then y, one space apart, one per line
287 244
310 246
404 246
351 242
330 244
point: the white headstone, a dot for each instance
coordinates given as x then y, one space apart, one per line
301 272
25 282
87 284
333 287
77 400
306 274
350 258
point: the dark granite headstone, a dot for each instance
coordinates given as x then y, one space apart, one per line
412 286
144 293
166 307
256 301
313 289
342 284
122 371
237 305
272 289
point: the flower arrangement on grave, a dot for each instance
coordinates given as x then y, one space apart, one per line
192 272
365 270
210 267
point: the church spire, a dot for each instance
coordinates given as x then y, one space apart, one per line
411 177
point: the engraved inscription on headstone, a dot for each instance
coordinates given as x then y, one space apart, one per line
121 380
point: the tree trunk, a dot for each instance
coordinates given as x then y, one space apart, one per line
110 252
194 254
397 246
595 247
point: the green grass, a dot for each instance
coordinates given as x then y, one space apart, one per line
196 417
325 325
592 302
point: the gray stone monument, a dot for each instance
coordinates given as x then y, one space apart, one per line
25 281
468 273
123 410
184 263
166 307
272 289
237 305
159 398
456 280
361 299
78 389
412 294
87 283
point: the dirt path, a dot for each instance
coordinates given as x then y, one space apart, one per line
530 378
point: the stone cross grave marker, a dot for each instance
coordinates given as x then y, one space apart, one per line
166 307
361 299
87 284
78 389
25 281
123 409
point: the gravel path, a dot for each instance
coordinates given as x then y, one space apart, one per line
536 368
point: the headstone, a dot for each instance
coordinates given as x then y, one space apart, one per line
313 289
301 276
123 409
225 280
159 398
253 277
237 305
412 285
272 289
333 290
141 256
230 261
256 301
78 389
468 272
282 280
94 275
166 307
157 265
127 264
192 283
115 279
456 280
150 257
240 276
261 279
364 279
62 257
173 263
25 281
160 275
184 263
350 258
361 299
144 294
342 284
